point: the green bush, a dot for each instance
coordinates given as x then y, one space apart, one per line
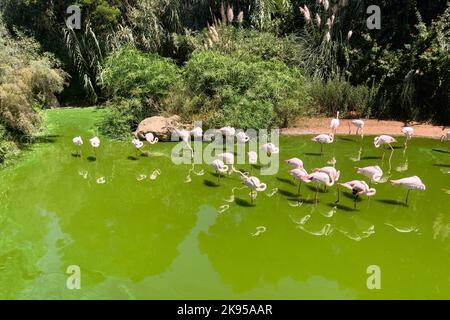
128 73
242 90
121 117
339 95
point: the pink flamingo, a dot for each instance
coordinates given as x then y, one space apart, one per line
298 174
252 159
197 133
323 139
374 173
220 168
359 124
358 188
296 163
445 137
242 137
410 183
255 185
95 143
318 178
408 132
270 148
137 143
384 140
331 172
151 138
78 141
335 123
185 136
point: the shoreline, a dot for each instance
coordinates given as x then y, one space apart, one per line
319 125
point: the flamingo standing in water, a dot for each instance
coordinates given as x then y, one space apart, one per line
374 173
318 178
335 123
410 183
408 132
296 163
137 143
151 138
384 140
445 137
78 141
298 174
252 159
227 158
269 149
331 172
255 185
95 143
242 137
220 168
323 139
359 124
185 136
358 188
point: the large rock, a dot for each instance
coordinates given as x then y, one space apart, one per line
160 126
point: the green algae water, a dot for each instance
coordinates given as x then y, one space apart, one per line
143 228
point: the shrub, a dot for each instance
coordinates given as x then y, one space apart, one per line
339 95
121 117
242 90
128 73
27 79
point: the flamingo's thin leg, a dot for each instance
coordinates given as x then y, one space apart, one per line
407 195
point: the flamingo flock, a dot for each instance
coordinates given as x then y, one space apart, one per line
324 177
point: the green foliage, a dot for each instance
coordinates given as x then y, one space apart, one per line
121 117
243 90
130 73
339 95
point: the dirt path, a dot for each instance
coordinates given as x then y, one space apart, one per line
372 127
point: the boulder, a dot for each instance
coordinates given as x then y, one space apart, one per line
161 127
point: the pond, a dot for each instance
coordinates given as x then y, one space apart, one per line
142 227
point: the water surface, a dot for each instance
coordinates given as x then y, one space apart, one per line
141 227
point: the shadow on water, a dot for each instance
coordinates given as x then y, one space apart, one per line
304 201
371 158
351 196
257 166
132 158
393 202
244 203
91 158
345 139
321 190
287 193
45 138
314 154
441 151
209 183
284 180
441 165
75 155
342 207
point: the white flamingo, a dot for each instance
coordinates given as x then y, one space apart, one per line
252 157
323 139
151 138
359 124
331 171
95 143
270 148
255 185
219 167
374 173
358 188
408 132
318 178
197 133
242 137
445 137
227 158
384 140
185 136
298 174
137 143
228 131
78 141
410 183
335 123
296 163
